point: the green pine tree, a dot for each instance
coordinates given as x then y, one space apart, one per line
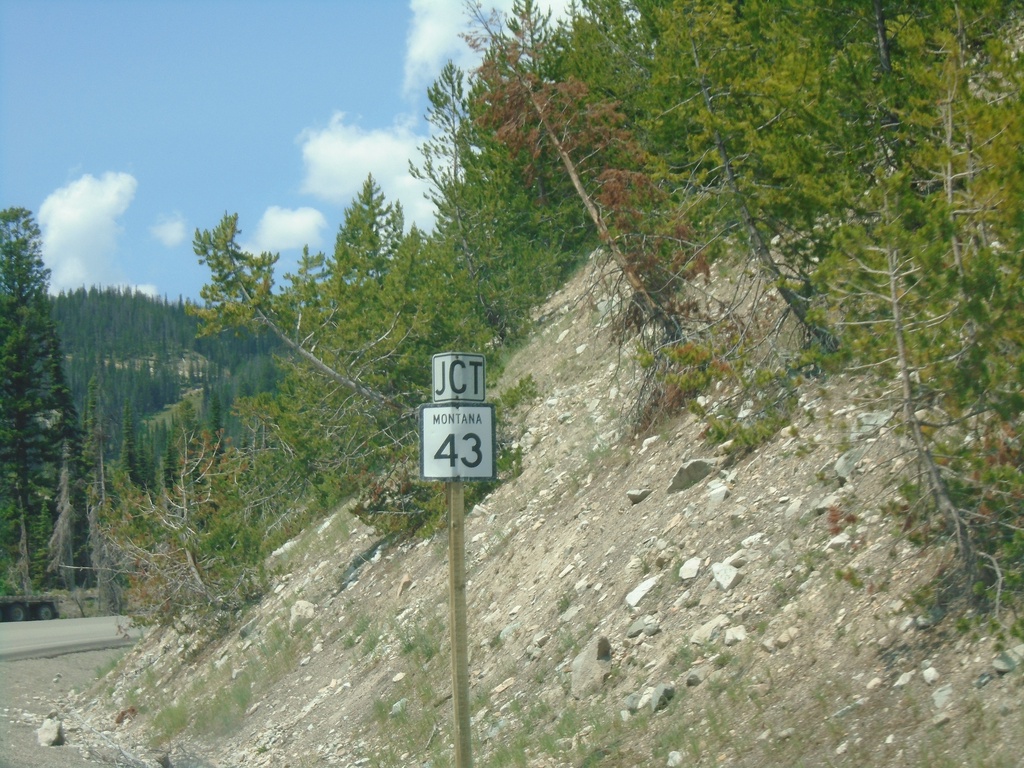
36 414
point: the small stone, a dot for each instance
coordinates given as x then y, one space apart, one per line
983 679
930 675
738 559
786 637
591 667
1004 663
675 759
636 495
697 675
636 628
398 707
840 541
301 614
942 696
632 702
726 576
503 685
904 680
691 473
717 495
848 462
663 694
640 591
735 635
690 569
710 629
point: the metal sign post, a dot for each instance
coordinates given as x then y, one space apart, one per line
457 442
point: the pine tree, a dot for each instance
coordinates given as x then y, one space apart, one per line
36 414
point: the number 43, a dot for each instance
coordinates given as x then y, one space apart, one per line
449 451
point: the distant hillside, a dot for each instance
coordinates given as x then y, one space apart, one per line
144 352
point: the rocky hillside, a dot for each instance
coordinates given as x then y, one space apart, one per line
633 601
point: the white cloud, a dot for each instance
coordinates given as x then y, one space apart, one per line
79 224
282 229
435 37
170 230
147 288
338 159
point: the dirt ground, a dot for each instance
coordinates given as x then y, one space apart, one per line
30 690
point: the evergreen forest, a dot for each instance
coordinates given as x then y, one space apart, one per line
851 171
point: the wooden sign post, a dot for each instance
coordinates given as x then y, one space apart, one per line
457 622
457 444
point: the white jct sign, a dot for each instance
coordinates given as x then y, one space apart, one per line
457 442
457 377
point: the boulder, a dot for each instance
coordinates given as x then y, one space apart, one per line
640 591
691 473
50 733
690 569
591 667
726 576
636 495
302 613
663 694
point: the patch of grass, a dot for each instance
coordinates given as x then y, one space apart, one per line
225 712
684 656
359 628
422 642
850 576
169 722
109 666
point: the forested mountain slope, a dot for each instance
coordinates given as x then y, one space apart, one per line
145 352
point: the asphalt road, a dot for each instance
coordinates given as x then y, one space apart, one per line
46 639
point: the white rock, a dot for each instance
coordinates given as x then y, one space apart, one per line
738 559
725 575
904 680
841 541
709 629
640 591
717 495
942 696
50 733
302 613
735 635
690 569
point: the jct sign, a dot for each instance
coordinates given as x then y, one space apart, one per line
458 377
457 442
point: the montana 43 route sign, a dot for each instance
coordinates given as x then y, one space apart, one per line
457 442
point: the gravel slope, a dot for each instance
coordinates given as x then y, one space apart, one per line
32 688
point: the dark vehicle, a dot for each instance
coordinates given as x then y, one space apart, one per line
26 607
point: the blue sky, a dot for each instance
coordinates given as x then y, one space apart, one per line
125 125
